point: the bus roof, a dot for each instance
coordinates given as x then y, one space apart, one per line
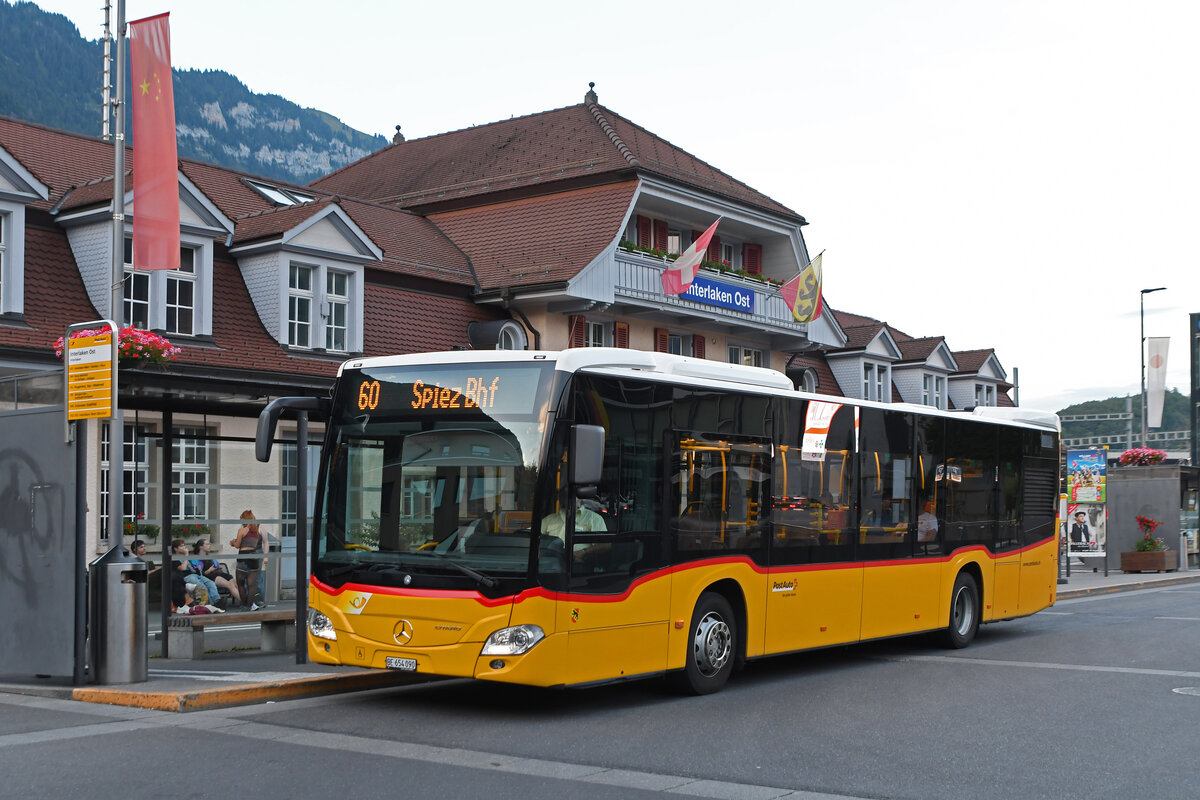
617 360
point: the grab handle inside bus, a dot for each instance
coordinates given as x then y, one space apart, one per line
587 457
268 418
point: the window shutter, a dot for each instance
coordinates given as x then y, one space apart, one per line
752 258
661 340
714 249
620 334
578 330
698 346
643 231
660 235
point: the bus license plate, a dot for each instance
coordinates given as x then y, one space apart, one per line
406 664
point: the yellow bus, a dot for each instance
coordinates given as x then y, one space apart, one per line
596 515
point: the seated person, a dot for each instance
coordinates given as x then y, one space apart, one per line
212 575
585 520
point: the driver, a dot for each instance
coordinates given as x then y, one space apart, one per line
585 520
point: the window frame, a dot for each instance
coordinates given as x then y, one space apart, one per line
758 355
158 284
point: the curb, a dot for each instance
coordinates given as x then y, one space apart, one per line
1125 587
244 694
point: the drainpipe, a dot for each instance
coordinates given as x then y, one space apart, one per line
506 295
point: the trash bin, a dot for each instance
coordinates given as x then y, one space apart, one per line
118 618
272 573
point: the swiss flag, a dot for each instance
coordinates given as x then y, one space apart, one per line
156 161
679 276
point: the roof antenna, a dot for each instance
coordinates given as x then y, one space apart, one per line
399 137
590 97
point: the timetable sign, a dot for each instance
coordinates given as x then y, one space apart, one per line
90 388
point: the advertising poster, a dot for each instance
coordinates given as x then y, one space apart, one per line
1086 476
1086 534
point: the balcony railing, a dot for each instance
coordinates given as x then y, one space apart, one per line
639 278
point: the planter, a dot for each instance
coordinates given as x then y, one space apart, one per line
1149 561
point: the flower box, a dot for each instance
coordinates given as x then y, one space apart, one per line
1149 561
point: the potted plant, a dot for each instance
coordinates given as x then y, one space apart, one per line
137 529
1141 457
134 346
1149 552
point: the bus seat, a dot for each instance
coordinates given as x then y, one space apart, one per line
512 521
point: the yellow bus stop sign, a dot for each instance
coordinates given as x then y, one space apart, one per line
91 390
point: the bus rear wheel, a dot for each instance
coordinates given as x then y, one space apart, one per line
964 612
712 641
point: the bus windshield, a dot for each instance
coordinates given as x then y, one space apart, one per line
431 475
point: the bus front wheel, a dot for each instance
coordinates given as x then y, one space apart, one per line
964 612
712 639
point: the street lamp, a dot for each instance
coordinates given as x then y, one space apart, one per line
1142 318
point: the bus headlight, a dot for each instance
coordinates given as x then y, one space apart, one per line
512 641
320 625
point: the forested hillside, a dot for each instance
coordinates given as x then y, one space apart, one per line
1176 416
51 75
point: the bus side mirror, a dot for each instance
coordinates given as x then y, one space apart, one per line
269 417
587 454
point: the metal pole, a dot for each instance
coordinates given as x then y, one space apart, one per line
116 311
1142 348
1142 353
301 537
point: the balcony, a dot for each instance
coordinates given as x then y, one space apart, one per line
724 299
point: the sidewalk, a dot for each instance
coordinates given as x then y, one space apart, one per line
239 677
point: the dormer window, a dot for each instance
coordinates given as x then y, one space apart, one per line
178 312
316 319
300 300
280 196
933 390
875 381
985 394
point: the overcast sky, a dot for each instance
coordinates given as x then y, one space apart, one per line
1004 174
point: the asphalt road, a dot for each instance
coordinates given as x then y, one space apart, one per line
1097 698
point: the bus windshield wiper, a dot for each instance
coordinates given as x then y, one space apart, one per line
465 570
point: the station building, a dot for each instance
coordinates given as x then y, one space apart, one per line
539 232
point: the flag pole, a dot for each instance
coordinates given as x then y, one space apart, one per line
116 311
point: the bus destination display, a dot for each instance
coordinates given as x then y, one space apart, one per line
447 390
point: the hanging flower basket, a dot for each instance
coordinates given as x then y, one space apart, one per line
134 346
1141 457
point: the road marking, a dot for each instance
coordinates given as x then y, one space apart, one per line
220 722
1182 619
1192 690
992 662
562 770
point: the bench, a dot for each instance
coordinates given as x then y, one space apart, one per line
185 632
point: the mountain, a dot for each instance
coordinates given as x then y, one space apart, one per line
1176 416
51 75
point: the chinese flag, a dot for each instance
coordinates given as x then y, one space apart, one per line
156 162
803 292
679 276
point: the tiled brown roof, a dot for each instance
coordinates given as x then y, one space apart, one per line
54 296
826 382
919 349
411 244
274 221
970 361
56 158
859 336
585 141
541 239
400 321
